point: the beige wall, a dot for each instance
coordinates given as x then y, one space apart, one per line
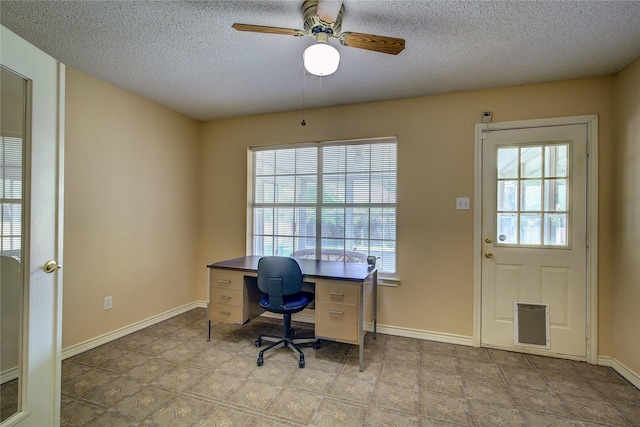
626 254
152 197
436 165
131 208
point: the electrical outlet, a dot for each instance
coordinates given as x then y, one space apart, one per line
108 303
462 203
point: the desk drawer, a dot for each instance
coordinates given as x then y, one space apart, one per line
226 279
226 296
228 313
336 292
337 321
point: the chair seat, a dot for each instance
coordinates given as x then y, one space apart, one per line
292 303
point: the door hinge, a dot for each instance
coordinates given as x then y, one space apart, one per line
588 148
587 240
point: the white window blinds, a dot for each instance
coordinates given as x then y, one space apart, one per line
11 195
333 201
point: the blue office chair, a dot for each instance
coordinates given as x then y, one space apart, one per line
280 279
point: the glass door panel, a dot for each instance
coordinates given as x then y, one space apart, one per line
13 93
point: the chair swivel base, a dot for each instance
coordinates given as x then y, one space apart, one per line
290 342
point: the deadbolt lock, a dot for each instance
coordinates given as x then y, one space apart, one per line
488 240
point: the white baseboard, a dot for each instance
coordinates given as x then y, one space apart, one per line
306 317
422 334
9 374
73 350
605 361
395 330
620 368
119 333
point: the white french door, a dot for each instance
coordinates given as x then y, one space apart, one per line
40 232
534 227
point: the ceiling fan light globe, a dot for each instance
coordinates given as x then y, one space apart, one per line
321 59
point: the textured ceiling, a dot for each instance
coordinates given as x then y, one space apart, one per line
185 55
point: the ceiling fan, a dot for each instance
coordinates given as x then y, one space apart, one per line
323 20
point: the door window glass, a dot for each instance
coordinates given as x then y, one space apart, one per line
532 195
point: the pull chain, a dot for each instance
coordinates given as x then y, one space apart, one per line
304 80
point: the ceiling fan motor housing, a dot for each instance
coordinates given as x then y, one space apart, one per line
313 25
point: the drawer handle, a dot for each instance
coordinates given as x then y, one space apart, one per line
336 312
225 313
225 297
225 282
336 294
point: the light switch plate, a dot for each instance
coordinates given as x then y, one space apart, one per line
462 203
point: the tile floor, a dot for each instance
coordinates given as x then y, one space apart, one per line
169 375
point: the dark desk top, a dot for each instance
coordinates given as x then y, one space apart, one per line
337 270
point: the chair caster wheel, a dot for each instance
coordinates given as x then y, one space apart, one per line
301 364
260 361
258 343
316 345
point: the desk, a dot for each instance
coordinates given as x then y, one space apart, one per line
346 293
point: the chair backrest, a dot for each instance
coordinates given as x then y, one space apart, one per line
279 276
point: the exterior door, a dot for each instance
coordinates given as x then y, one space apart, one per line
39 234
534 240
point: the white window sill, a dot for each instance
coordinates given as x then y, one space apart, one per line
390 281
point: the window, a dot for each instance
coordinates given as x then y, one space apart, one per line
326 201
11 195
533 184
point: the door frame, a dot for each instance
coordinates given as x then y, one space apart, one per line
591 122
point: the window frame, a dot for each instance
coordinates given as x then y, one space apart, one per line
319 204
